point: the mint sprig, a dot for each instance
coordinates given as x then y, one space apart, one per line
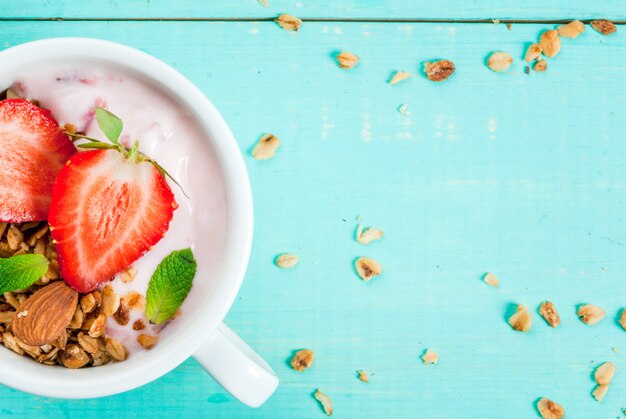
111 125
170 285
19 272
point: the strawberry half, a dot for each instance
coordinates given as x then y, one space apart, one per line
108 208
33 148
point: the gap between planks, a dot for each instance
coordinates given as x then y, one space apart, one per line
309 19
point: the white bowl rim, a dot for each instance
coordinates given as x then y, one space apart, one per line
24 374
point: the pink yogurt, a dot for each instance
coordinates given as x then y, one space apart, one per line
168 133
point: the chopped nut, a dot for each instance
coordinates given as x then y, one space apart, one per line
363 376
521 321
147 341
491 279
622 319
439 70
399 76
74 357
325 401
541 65
604 373
97 327
367 268
122 315
110 301
549 409
600 391
430 357
87 303
88 343
550 43
289 22
499 61
14 237
286 260
571 30
605 27
302 359
139 325
347 60
116 349
549 313
134 301
368 235
266 147
128 275
590 314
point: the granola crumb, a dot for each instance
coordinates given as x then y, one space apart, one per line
521 321
499 61
540 66
571 30
599 392
603 26
74 357
139 325
347 60
110 301
97 327
134 301
549 409
403 109
115 349
550 43
289 22
590 314
286 260
128 275
87 303
325 401
367 268
70 128
439 70
147 341
266 147
368 235
430 357
604 373
614 349
491 280
302 359
363 376
549 314
399 76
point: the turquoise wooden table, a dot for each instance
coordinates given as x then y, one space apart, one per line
521 175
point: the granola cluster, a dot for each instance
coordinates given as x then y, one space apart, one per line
84 341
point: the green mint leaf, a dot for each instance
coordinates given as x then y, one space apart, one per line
19 272
110 124
170 285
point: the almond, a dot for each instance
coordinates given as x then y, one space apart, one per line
50 310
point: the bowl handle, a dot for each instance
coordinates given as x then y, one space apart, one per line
236 367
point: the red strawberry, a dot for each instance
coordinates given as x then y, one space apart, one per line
108 208
33 148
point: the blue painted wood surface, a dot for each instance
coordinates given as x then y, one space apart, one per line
521 175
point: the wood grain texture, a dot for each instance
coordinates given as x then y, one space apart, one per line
520 175
344 9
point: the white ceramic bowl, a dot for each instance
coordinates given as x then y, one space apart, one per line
200 333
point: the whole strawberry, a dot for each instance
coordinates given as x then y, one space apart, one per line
109 206
33 148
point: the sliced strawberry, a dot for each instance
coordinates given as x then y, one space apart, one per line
33 148
107 210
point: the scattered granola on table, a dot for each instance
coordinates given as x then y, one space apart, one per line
368 234
491 280
363 376
603 26
550 43
521 321
549 314
325 401
439 70
590 314
571 30
289 22
399 76
286 260
499 61
549 409
302 359
430 357
367 268
347 60
266 147
540 65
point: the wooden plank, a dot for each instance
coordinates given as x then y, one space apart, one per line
345 9
522 175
